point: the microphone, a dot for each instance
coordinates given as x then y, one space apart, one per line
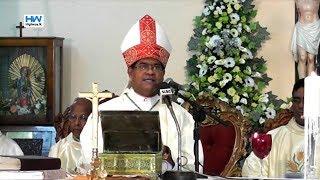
170 83
165 94
174 85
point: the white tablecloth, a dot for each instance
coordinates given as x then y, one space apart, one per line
45 174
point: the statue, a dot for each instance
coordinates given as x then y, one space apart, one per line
306 36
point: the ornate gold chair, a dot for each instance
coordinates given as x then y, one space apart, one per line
223 146
61 124
282 118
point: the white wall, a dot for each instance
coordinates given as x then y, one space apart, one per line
279 17
94 29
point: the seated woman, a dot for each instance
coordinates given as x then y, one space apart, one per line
69 149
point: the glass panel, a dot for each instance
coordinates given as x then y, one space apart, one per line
22 135
23 73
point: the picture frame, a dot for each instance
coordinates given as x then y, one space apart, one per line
30 80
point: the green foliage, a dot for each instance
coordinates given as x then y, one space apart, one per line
224 45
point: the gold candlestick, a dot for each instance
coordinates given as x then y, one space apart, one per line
95 164
96 170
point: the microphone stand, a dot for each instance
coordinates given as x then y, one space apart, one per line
169 105
177 175
199 115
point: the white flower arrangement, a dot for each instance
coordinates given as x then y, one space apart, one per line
224 45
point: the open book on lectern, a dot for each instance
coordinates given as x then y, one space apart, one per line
131 131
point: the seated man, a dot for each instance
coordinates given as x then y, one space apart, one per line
69 149
286 155
146 50
9 147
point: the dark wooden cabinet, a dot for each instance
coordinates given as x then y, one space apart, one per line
30 80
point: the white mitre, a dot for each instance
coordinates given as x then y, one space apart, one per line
146 39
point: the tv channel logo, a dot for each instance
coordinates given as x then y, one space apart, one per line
33 20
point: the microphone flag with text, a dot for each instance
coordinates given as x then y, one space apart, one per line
166 93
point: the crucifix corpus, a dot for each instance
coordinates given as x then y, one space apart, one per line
20 28
95 96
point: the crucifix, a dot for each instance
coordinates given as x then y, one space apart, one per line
95 96
20 28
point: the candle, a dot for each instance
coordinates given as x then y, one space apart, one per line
312 96
311 123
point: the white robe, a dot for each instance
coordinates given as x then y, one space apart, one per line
69 151
9 147
286 155
168 127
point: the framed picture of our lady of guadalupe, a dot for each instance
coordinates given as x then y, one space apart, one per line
30 80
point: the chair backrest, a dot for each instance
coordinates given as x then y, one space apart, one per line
223 146
30 146
62 124
282 118
217 142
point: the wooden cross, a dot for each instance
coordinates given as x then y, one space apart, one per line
95 96
20 28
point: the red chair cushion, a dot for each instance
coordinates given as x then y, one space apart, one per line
217 142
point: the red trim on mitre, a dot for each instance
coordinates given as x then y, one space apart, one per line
148 47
